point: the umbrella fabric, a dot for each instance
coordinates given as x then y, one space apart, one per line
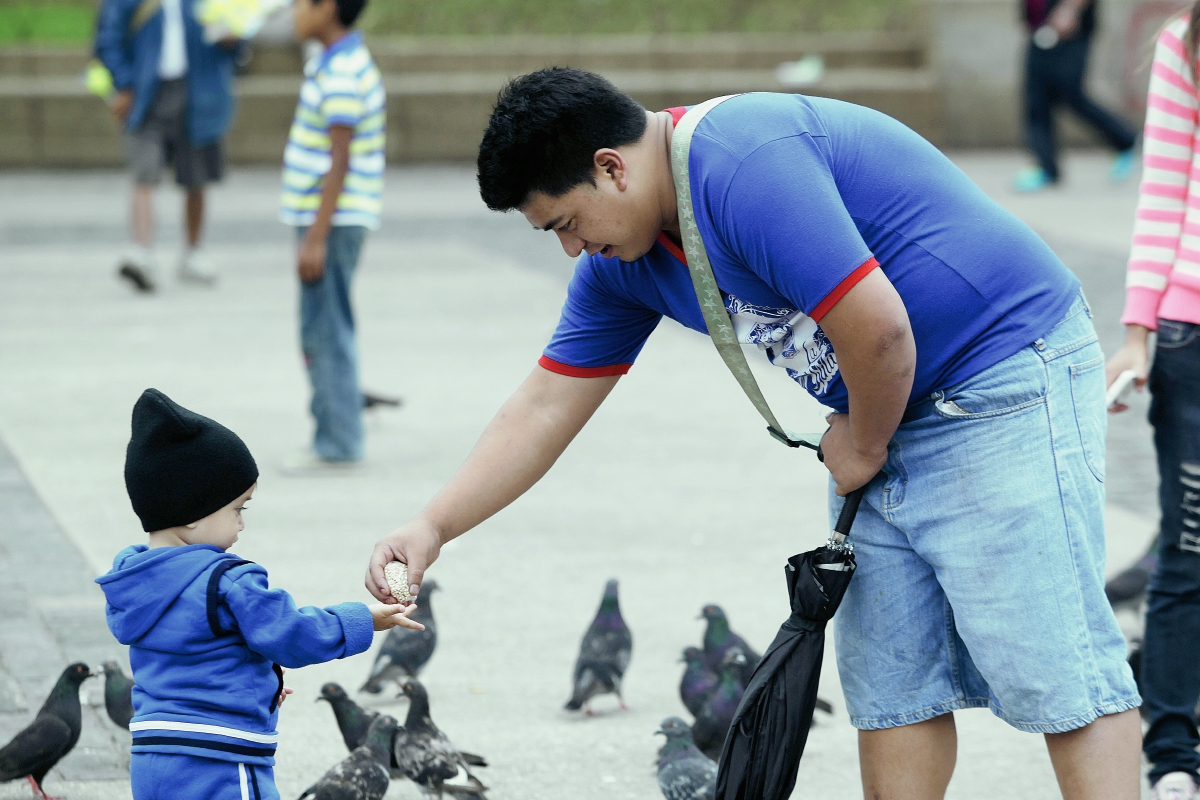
763 748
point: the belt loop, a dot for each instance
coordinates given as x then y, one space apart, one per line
1040 344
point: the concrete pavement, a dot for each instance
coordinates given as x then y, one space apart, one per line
454 306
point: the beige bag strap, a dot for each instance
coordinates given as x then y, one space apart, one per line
716 318
145 10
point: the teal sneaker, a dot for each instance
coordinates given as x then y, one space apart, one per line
1032 179
1122 166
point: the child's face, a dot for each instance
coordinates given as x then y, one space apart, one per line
310 17
220 528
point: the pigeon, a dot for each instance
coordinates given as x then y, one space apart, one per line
353 721
1127 589
684 773
362 775
118 695
718 639
698 681
715 717
603 655
405 651
54 731
427 757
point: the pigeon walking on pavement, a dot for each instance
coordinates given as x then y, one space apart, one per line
427 757
603 654
684 773
698 681
719 639
406 651
715 717
118 694
54 731
364 774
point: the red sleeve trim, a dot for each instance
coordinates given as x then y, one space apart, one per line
672 248
582 372
676 112
840 290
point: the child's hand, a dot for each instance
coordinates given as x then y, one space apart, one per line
389 616
284 695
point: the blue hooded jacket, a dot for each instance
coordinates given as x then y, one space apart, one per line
206 650
133 62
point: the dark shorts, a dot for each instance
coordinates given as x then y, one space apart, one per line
163 139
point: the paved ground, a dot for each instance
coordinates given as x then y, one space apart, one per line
454 306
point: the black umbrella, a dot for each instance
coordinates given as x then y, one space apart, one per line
764 744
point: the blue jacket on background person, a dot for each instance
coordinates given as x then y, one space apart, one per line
200 693
133 62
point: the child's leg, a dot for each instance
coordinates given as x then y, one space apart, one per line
330 351
161 776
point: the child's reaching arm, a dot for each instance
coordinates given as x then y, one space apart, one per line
295 637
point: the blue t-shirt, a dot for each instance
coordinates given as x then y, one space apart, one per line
797 199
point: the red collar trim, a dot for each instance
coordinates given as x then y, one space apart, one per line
672 248
676 112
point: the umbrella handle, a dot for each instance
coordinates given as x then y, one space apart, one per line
849 512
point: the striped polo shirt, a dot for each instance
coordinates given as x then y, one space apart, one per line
342 87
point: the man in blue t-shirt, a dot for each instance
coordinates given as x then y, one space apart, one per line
954 347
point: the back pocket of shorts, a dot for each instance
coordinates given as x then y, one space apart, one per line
1087 392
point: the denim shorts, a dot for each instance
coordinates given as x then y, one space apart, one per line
981 552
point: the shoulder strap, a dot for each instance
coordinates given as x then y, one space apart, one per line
145 10
716 318
213 602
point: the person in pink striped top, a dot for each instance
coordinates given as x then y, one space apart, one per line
1163 296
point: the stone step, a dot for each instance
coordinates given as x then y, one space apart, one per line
519 54
47 121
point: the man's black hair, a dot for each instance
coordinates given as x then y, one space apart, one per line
348 10
544 131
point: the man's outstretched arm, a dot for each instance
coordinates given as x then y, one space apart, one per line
516 449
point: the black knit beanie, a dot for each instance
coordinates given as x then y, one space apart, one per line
179 466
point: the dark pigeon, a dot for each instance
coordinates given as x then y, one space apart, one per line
362 775
427 757
698 681
118 694
684 773
353 721
603 654
719 639
406 651
54 731
715 717
1127 589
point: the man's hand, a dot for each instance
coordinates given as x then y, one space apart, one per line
417 544
1065 19
120 105
387 617
850 467
1133 354
310 260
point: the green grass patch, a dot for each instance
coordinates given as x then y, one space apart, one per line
46 23
490 17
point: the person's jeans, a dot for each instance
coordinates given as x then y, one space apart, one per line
330 352
1055 76
1171 652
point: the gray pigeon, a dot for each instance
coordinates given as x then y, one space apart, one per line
362 775
684 773
427 757
53 733
716 715
719 639
603 655
118 695
406 651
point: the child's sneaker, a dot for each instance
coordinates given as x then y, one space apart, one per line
195 268
1032 179
1122 166
1175 786
138 269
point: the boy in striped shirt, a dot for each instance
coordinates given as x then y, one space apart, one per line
332 182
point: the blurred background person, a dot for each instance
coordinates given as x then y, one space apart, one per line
1163 295
1055 65
174 99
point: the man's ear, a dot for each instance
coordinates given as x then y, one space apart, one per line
610 165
